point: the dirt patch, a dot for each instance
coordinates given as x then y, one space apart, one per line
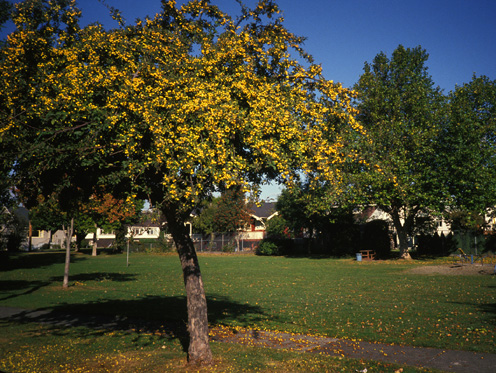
455 270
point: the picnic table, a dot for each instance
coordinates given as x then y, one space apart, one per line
367 254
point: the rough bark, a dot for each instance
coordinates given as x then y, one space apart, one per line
199 349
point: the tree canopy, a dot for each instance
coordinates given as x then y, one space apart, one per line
469 145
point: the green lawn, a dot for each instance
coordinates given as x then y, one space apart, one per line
373 301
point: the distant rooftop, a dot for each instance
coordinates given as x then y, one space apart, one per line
265 210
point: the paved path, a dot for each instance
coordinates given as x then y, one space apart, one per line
445 360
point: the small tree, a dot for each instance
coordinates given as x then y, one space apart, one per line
177 107
231 213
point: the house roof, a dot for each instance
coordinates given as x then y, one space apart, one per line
264 211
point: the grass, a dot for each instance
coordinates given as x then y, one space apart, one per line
372 301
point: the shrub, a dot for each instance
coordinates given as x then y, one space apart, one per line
44 247
229 248
267 248
435 245
277 228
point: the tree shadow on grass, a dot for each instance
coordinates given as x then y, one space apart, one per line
97 276
14 288
13 261
160 316
487 308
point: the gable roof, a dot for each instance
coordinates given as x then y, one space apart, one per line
264 211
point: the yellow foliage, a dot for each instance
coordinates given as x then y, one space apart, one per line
236 108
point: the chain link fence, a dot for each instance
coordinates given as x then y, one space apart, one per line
223 242
219 242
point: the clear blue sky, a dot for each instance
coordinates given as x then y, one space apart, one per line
459 35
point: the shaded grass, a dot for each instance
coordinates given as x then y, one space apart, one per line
39 348
372 301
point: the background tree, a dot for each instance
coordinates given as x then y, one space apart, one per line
469 145
225 214
321 216
5 12
402 112
232 212
176 107
204 220
112 214
47 215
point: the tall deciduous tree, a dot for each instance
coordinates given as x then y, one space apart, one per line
402 112
179 106
469 143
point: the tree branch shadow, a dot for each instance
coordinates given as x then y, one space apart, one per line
16 288
162 316
97 276
20 260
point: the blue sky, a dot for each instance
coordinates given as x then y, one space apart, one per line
459 35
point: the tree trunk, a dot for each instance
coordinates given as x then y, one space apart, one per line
402 229
94 252
80 236
199 349
30 238
68 254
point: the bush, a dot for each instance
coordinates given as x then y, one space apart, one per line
14 242
277 228
45 247
435 245
229 248
267 248
490 243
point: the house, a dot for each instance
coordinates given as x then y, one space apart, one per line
13 227
137 232
40 238
246 238
259 216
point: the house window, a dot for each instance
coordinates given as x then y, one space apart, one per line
37 233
